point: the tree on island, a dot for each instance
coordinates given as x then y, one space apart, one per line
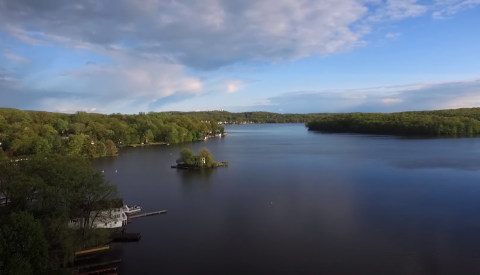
186 157
204 154
203 159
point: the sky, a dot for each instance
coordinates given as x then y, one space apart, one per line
286 56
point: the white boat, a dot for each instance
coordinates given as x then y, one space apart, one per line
130 210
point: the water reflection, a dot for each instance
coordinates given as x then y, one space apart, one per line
466 164
402 152
298 202
190 177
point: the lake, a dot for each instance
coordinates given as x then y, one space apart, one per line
294 201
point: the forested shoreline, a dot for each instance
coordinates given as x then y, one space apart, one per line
94 135
38 198
455 122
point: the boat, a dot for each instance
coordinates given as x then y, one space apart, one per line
130 210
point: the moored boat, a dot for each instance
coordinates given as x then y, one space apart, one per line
130 210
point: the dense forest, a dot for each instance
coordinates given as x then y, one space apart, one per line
38 198
94 135
250 117
458 122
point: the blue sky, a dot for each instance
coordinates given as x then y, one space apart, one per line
284 56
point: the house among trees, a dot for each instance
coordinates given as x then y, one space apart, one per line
199 161
113 217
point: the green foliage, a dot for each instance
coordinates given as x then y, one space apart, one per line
149 137
3 156
460 122
61 125
42 146
28 132
111 148
204 153
246 117
76 144
23 245
19 266
54 189
186 157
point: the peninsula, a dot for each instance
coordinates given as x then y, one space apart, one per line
203 160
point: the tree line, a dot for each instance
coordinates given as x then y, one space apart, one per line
249 117
38 198
90 134
94 135
457 122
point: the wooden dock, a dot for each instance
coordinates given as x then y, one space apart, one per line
126 237
99 264
100 271
92 250
147 214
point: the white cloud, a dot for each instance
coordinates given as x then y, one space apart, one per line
399 9
421 96
393 35
131 84
16 58
201 34
447 8
208 34
233 85
151 46
391 100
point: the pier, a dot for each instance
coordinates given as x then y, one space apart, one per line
98 249
99 264
147 214
100 271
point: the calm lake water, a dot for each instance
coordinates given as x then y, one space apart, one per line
342 204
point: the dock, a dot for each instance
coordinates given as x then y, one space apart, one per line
126 237
147 214
97 249
100 271
99 264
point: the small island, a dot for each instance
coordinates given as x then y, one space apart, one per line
203 160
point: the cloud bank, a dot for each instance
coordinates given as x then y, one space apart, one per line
157 45
424 96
